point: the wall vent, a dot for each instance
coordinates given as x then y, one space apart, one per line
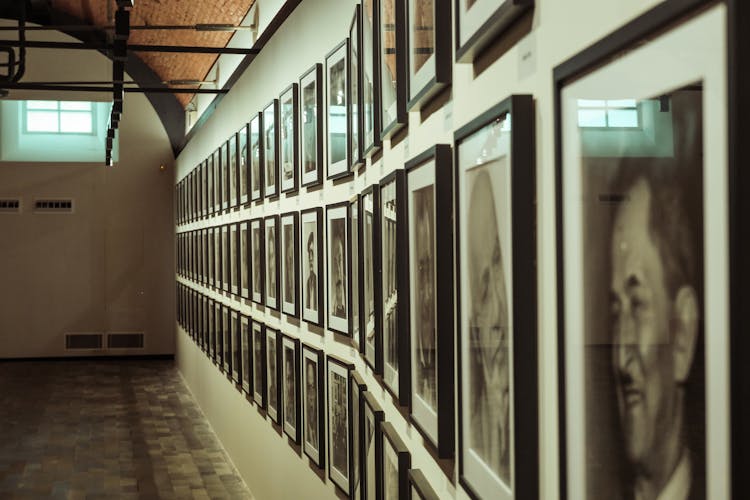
125 340
54 206
10 205
75 341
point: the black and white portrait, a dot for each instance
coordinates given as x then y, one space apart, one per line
245 354
233 258
271 277
258 363
270 154
288 131
290 388
423 309
233 170
309 127
338 317
289 263
312 437
336 97
242 142
311 276
257 270
389 291
354 259
353 116
218 177
256 158
643 294
371 421
272 388
338 423
244 269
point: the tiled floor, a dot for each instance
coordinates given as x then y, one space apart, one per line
107 429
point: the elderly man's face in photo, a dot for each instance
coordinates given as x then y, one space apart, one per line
489 302
311 253
640 311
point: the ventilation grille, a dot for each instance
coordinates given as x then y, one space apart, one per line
83 341
54 206
125 340
10 205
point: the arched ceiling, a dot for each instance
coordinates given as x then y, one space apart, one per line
167 66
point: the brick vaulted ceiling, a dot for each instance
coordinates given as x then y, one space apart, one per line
168 66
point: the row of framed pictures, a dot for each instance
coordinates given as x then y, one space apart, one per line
391 63
287 381
391 252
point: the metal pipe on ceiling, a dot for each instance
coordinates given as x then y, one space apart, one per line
108 89
186 49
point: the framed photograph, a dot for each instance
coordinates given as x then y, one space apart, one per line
234 258
257 156
336 111
312 265
271 226
234 171
497 333
210 258
259 363
218 259
355 292
246 355
245 259
370 87
258 267
429 56
226 258
337 246
218 180
311 115
419 486
210 193
214 318
354 80
205 247
273 374
358 388
339 424
244 161
292 411
290 263
236 343
396 463
289 131
429 184
271 144
370 304
226 341
372 447
392 65
644 126
205 323
202 189
313 407
226 175
479 22
394 298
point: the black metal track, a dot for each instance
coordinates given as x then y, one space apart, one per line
90 45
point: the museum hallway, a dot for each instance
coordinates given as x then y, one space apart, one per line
107 429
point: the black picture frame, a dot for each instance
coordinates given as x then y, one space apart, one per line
311 126
370 306
236 347
245 259
273 375
218 181
272 261
289 138
289 258
392 70
226 176
482 23
260 394
247 356
258 260
370 83
514 151
353 91
243 155
311 227
429 192
202 189
210 190
214 331
271 154
226 259
339 414
355 291
358 389
226 341
372 447
291 402
235 259
233 151
313 404
394 297
419 486
257 158
218 259
337 68
426 79
338 262
395 454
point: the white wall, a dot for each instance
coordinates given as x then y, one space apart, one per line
110 265
560 30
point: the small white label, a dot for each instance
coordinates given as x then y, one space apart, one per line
527 55
448 116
